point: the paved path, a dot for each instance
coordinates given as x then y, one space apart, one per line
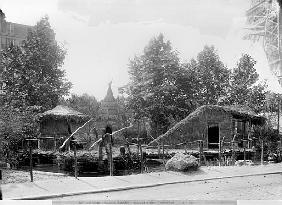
259 187
71 186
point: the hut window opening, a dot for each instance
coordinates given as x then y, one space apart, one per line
213 137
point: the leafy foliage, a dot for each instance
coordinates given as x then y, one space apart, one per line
155 90
32 73
213 76
84 103
15 126
33 83
244 88
269 136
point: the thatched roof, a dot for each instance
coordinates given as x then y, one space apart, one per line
236 112
64 112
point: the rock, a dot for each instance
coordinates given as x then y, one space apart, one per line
182 162
241 163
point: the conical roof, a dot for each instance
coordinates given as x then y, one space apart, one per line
109 97
64 112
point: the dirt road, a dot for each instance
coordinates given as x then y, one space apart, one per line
266 187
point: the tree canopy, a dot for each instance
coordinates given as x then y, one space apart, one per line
166 90
32 71
155 89
244 88
85 103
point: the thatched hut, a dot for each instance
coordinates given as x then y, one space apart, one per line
57 124
211 123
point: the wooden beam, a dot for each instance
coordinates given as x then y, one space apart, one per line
69 138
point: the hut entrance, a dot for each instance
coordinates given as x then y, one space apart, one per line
213 137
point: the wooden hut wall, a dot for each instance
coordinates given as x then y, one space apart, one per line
196 128
58 129
54 127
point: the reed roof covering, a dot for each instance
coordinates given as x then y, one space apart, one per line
64 112
236 111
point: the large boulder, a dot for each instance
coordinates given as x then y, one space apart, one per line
182 162
241 163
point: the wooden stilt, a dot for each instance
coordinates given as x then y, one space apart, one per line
112 161
141 159
219 152
100 156
30 162
261 157
200 144
163 153
75 160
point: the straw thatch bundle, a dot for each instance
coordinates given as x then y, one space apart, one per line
62 112
194 126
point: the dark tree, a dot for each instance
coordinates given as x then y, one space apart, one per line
156 87
32 71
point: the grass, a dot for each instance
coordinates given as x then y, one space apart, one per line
19 176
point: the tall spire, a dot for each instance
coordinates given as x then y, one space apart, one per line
109 97
2 15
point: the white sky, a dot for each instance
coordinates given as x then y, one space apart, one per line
102 35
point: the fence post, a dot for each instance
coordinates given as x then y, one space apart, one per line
159 150
219 151
111 156
261 157
30 159
141 157
163 153
244 145
200 143
75 159
100 155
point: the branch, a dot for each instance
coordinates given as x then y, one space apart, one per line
68 139
99 140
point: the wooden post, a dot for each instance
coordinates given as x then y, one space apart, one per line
75 160
200 151
233 151
128 148
261 157
163 153
159 150
159 146
111 156
100 155
55 144
38 144
244 155
138 127
141 159
30 161
219 151
185 147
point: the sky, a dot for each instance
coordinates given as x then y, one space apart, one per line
102 35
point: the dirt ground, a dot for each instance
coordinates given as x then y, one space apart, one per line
17 176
